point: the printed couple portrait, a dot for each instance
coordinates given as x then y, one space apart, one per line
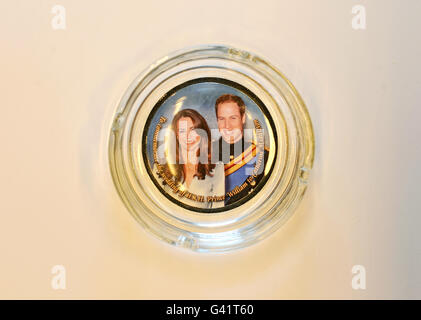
207 173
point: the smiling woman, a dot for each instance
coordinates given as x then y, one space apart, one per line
207 153
187 161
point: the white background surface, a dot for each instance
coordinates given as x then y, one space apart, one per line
59 89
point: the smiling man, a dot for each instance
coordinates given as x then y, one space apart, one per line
238 153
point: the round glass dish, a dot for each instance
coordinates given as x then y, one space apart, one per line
210 148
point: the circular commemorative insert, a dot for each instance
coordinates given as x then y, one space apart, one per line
210 148
207 145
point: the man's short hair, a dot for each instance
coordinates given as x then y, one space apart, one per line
230 98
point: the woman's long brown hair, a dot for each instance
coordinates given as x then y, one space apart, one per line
176 170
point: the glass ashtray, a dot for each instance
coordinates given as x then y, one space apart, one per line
210 148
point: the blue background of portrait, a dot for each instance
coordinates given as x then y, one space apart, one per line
201 97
